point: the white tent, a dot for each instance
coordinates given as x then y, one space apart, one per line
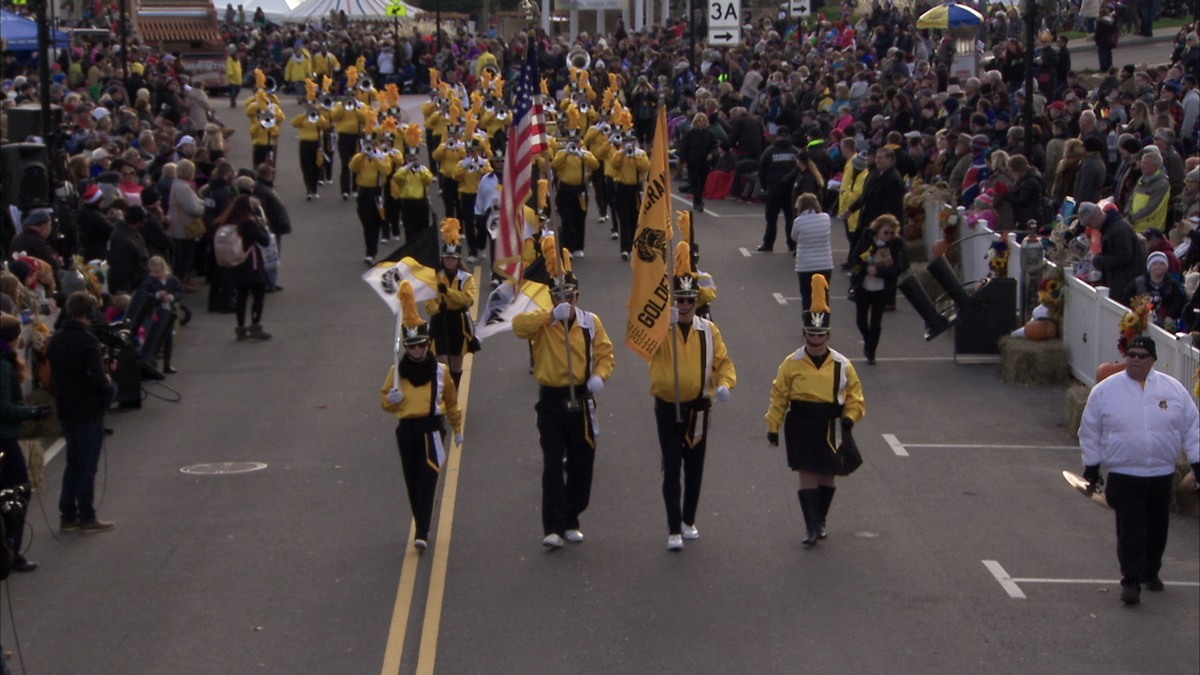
356 10
275 10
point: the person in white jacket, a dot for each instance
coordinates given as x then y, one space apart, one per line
1137 423
814 252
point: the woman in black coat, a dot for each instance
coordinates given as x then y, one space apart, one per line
696 150
249 278
879 260
1026 196
14 474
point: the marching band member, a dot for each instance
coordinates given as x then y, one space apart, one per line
566 418
816 398
264 136
704 372
390 223
325 158
467 173
348 117
370 167
629 163
409 185
423 399
450 325
310 123
264 112
448 155
324 62
572 165
596 142
366 93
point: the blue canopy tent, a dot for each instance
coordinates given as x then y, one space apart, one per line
21 34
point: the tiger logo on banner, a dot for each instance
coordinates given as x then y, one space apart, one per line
650 298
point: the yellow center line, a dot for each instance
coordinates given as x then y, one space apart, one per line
404 596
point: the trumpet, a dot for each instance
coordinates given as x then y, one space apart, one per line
583 108
579 58
314 115
267 121
365 84
350 103
328 103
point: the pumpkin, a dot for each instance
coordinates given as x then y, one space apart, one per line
1107 369
1041 329
940 247
913 230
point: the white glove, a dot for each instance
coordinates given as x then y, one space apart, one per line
1095 276
674 315
723 394
562 311
395 396
458 439
595 384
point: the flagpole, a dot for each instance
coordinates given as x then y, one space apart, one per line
397 348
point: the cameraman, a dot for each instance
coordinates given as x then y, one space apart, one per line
14 475
81 387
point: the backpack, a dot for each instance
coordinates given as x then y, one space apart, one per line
228 247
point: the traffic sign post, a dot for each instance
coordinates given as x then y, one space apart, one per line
724 22
397 10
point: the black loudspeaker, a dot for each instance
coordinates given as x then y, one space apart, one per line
25 120
935 323
24 170
939 268
990 315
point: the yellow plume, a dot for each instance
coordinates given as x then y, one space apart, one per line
476 101
573 117
566 260
820 294
685 225
451 231
435 79
545 87
261 97
310 89
543 190
351 77
443 89
614 81
498 86
683 259
487 79
326 83
393 93
361 64
371 122
550 254
389 126
608 98
260 79
472 123
456 111
412 135
408 306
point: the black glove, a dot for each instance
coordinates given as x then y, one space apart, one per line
1196 477
44 411
773 438
1092 475
847 424
442 288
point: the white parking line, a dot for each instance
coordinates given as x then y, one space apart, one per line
744 251
780 299
685 200
1006 582
54 450
1010 584
991 447
896 446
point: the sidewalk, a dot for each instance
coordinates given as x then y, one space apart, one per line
1127 40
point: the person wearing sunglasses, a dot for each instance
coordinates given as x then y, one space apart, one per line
566 417
683 397
1136 424
816 399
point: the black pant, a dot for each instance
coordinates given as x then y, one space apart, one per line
415 214
432 144
500 142
573 213
347 148
806 286
562 434
262 153
85 442
775 203
220 292
185 255
326 173
601 188
308 165
677 455
473 234
449 188
391 212
14 473
1142 507
259 291
625 212
869 307
697 176
368 215
415 443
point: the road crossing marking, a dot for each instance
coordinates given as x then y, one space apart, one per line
780 299
1011 584
901 449
783 300
895 444
744 251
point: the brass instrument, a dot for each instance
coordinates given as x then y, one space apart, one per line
365 84
266 119
314 115
328 103
579 58
270 84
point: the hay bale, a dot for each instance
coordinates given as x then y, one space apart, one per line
1077 397
1033 362
916 251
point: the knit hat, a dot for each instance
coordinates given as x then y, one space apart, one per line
36 218
1143 342
92 194
980 142
859 162
1157 256
1086 212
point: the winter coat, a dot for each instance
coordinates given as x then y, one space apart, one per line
185 206
251 270
1122 256
811 231
81 384
777 168
13 410
1026 199
277 215
127 260
1090 178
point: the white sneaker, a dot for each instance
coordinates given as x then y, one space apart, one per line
552 541
575 536
369 260
624 255
615 235
316 196
690 532
420 545
577 254
384 240
471 260
674 543
345 196
603 219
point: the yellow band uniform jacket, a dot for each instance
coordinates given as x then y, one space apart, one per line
233 71
570 166
491 123
437 397
254 106
469 172
348 121
704 363
325 64
628 170
260 135
799 379
370 99
597 143
591 350
460 294
368 171
410 183
449 324
437 123
310 131
448 155
297 70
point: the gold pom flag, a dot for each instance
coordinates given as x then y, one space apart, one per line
408 306
820 294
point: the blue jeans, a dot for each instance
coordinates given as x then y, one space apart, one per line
84 442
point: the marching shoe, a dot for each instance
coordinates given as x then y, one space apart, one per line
420 545
615 235
577 254
603 219
674 543
20 564
826 493
1154 584
308 197
316 196
552 541
624 255
810 505
368 260
345 196
690 532
1131 594
575 536
97 526
471 259
241 333
384 239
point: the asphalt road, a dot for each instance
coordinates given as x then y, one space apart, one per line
297 567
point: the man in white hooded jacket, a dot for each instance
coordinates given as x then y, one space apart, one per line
1137 423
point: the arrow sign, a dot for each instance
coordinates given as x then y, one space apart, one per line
725 13
397 10
800 8
722 37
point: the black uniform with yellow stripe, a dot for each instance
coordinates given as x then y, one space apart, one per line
808 399
564 432
449 323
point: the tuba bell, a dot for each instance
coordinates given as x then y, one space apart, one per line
579 58
365 84
270 84
314 115
328 103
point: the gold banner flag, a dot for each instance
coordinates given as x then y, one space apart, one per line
650 298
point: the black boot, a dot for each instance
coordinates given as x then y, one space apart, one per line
166 357
826 499
457 377
810 504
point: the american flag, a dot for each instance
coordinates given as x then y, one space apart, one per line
526 140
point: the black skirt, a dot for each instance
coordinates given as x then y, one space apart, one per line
451 333
810 433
